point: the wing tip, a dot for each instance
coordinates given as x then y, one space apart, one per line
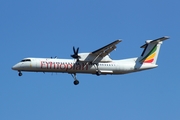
118 40
167 37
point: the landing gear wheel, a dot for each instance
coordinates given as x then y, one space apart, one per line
76 82
98 73
20 74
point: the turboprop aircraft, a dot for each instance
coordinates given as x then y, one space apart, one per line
97 62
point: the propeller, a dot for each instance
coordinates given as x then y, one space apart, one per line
75 55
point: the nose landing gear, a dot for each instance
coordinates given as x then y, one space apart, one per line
20 74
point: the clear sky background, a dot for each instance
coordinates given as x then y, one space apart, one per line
45 28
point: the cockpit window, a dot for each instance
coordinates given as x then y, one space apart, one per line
25 60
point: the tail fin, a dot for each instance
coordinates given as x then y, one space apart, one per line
151 50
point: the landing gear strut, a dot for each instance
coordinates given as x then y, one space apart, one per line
98 72
76 82
20 74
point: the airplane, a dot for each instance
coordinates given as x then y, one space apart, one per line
97 62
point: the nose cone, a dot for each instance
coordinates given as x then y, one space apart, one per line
16 67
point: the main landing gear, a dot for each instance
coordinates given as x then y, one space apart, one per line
98 72
76 82
20 73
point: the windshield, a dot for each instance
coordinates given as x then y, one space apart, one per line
25 60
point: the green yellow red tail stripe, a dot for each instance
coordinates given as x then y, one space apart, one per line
149 58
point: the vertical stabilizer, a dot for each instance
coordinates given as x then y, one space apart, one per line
151 50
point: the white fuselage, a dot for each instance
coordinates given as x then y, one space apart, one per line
71 66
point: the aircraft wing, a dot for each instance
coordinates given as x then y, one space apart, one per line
102 52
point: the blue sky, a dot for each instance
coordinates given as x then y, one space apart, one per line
50 28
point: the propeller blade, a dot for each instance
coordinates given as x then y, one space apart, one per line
76 51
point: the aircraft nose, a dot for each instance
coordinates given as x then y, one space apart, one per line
15 67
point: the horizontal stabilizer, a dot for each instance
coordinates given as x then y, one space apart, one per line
155 41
